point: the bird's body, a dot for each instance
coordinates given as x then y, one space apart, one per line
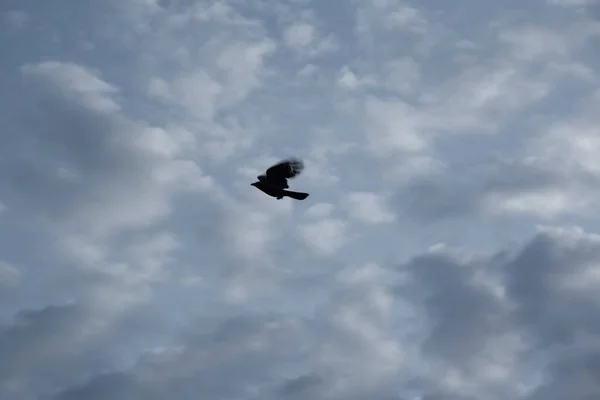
274 181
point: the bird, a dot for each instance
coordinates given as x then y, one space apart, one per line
274 181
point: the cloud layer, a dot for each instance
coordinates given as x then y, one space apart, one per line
449 249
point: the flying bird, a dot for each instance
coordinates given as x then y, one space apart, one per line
274 181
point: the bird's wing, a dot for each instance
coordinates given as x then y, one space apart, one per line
285 170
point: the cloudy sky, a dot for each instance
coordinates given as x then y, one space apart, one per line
449 249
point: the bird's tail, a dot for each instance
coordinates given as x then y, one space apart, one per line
296 195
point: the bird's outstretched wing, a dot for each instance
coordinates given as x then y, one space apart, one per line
284 170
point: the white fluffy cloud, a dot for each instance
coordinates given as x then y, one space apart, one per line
448 250
369 208
326 236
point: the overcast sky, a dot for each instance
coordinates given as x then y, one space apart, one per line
449 249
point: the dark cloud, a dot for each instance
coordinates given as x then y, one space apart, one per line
544 295
480 189
490 322
31 346
238 354
464 313
545 291
71 157
65 143
115 386
441 396
301 386
574 376
45 350
550 281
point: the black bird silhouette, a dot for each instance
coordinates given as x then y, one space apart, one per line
275 180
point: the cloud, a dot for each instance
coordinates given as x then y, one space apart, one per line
448 249
369 208
202 95
299 35
348 79
9 274
571 2
326 236
557 177
320 210
498 189
304 36
26 345
556 307
79 84
86 174
488 323
393 127
505 318
45 352
98 143
16 19
403 74
209 358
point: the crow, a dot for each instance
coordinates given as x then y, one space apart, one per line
274 181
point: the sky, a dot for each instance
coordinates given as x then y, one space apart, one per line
449 248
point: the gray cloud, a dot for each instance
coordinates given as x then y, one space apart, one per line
142 277
488 318
542 312
548 279
48 349
227 362
67 147
499 188
463 311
